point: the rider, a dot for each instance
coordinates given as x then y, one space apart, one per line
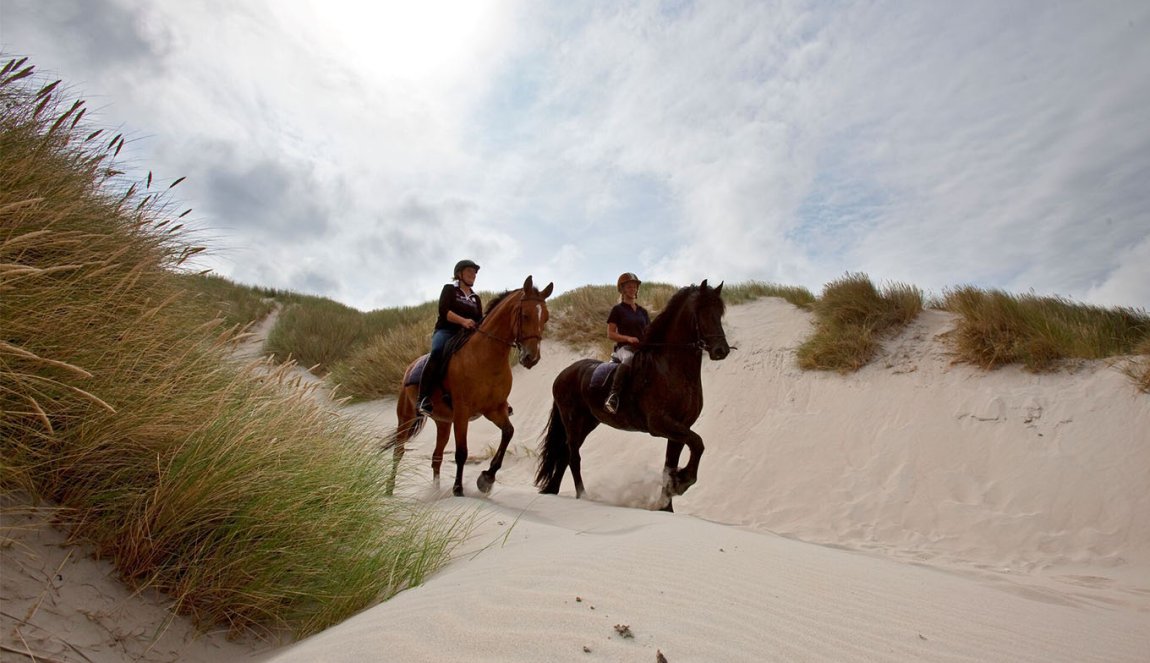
626 325
459 308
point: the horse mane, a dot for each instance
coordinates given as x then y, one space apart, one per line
660 326
495 302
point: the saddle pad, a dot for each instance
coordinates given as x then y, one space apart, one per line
603 373
413 376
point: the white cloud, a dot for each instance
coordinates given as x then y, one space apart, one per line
363 149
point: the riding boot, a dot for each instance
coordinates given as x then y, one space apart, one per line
617 381
429 381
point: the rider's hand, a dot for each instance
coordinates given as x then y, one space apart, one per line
470 324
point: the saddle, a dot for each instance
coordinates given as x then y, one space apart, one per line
415 373
602 373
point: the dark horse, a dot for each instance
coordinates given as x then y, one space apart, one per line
479 380
664 399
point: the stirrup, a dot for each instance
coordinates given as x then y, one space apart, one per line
424 407
612 403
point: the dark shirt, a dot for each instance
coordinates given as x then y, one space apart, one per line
451 298
628 321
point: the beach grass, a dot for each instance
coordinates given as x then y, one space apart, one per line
224 486
996 328
852 317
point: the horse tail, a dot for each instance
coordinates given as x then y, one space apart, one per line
404 432
553 454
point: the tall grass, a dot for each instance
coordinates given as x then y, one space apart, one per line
996 328
852 317
239 305
316 332
376 369
1138 367
740 293
227 488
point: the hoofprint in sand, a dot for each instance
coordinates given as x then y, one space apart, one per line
915 510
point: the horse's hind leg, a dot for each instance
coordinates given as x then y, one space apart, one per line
578 428
405 413
502 419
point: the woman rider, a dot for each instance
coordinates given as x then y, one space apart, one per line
459 308
626 325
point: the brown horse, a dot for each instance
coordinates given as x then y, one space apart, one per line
665 398
478 378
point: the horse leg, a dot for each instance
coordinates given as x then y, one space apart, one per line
460 452
578 428
501 418
670 465
405 414
682 479
442 433
399 446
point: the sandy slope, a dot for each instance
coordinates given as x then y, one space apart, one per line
961 516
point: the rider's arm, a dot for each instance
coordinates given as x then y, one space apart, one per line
614 335
467 323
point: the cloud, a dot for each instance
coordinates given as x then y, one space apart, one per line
362 150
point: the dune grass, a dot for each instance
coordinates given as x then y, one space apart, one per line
852 317
1138 366
375 369
226 487
239 305
996 328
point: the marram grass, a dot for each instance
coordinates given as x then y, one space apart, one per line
226 487
996 328
852 317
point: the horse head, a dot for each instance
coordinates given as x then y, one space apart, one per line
709 309
533 316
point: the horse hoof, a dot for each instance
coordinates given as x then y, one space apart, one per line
484 482
457 491
680 483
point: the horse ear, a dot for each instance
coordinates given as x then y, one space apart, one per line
703 285
546 292
719 289
527 284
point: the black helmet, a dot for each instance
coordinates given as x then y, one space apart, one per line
462 265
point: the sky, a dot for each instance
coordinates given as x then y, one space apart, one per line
358 150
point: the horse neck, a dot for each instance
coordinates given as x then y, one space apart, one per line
498 328
676 350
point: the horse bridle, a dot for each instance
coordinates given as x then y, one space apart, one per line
520 339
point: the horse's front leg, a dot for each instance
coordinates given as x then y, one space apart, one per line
502 419
442 433
682 479
460 453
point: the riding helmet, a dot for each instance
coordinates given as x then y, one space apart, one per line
626 277
464 264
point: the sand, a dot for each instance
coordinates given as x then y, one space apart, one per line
916 510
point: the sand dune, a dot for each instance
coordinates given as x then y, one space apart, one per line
915 510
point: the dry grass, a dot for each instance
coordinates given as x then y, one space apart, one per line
376 369
1138 366
996 328
852 317
226 488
